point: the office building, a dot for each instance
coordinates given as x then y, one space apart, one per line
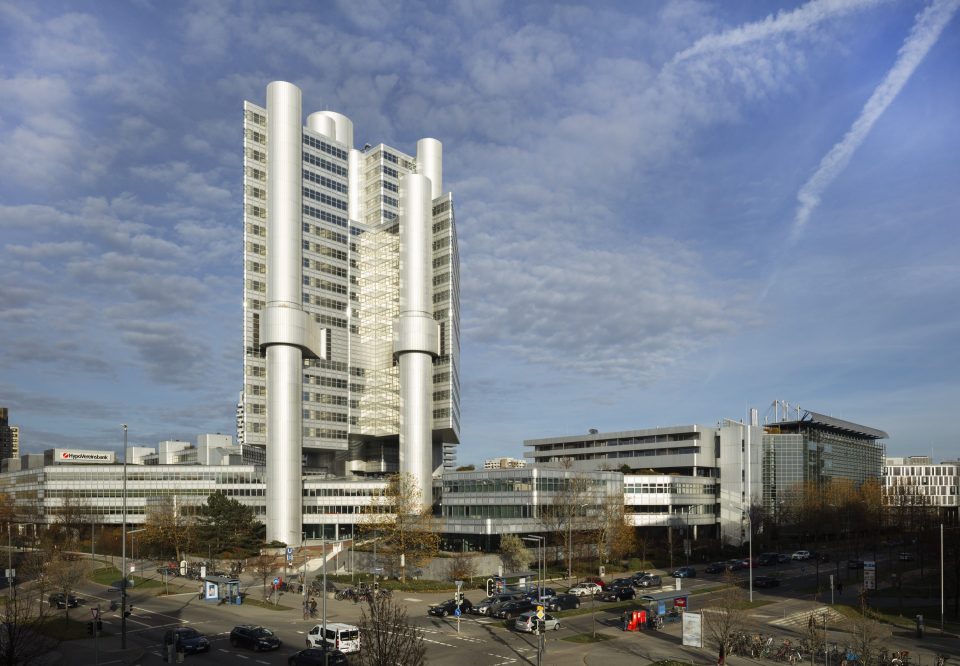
351 306
9 436
504 463
917 482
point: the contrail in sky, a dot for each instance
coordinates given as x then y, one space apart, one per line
926 30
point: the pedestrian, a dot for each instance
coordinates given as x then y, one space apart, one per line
723 655
839 587
313 606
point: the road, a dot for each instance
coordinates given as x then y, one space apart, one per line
476 641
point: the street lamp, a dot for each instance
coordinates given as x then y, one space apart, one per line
123 550
749 495
540 565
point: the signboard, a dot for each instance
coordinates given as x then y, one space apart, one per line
692 630
539 612
82 456
680 602
869 575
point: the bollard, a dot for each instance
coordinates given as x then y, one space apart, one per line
919 626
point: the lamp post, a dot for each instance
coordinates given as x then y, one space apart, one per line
123 551
540 564
749 495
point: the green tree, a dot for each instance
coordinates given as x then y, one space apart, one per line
229 525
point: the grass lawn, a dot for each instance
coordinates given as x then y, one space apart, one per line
75 629
111 576
260 603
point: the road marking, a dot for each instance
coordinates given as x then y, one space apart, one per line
412 600
157 654
222 650
240 656
260 661
142 624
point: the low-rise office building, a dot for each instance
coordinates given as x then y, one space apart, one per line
917 482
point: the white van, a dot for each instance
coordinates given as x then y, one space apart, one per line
343 637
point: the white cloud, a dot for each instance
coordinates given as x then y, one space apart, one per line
926 31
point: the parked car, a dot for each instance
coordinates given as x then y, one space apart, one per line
783 557
619 593
620 582
765 581
317 657
650 580
187 640
906 557
685 572
340 636
716 567
854 564
526 622
563 602
768 559
584 589
801 555
449 607
60 600
547 594
512 609
254 637
491 605
736 565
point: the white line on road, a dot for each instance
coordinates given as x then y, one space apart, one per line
240 656
142 624
222 650
414 601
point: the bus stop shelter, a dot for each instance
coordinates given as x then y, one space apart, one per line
221 589
669 603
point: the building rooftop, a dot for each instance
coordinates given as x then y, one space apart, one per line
825 422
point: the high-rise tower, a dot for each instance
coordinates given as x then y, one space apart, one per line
351 305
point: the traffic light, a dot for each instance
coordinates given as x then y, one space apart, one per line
459 598
89 628
127 612
489 587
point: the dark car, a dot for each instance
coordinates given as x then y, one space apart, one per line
186 639
60 600
685 572
512 609
736 565
765 581
317 657
254 638
619 593
563 602
449 607
716 567
547 594
768 559
621 582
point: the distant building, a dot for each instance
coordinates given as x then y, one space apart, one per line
9 436
916 481
504 463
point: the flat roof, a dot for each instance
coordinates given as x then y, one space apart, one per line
837 425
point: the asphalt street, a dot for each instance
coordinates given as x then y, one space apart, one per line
475 640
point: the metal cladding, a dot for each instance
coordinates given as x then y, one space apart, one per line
351 308
284 354
416 333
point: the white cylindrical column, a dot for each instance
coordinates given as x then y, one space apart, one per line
322 124
416 333
342 131
355 185
284 361
430 164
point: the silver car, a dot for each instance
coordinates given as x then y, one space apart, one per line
527 622
650 580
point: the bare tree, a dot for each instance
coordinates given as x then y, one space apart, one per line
462 566
515 555
725 617
264 566
64 574
868 635
614 537
169 529
388 637
21 641
405 530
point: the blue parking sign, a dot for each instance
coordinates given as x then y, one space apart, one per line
457 612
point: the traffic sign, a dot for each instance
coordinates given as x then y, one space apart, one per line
95 613
457 612
539 612
276 581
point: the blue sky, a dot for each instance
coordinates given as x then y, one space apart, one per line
668 212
